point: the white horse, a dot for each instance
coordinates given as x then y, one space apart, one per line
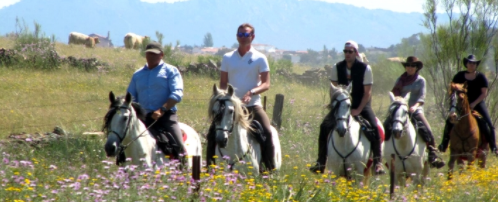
233 133
348 148
408 148
128 137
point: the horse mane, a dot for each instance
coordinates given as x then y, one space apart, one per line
340 89
114 107
457 87
242 116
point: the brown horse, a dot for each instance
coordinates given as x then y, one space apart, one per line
465 140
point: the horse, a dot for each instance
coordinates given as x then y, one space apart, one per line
466 142
409 149
348 148
234 139
128 137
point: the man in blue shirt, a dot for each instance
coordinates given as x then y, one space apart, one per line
157 87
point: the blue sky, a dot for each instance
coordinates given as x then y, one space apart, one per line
405 6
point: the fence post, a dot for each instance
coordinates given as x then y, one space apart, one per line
277 111
392 176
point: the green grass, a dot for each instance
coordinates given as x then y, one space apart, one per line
38 100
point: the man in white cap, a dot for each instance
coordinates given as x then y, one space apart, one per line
158 87
348 71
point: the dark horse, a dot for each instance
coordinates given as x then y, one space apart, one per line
466 142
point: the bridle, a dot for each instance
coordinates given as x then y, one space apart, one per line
454 105
405 127
219 115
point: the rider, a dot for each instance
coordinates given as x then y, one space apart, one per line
158 87
247 70
411 82
351 70
477 91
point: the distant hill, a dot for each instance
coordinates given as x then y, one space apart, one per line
286 24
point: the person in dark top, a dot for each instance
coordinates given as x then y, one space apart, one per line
351 70
477 90
411 82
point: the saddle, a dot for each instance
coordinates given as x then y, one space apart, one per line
258 132
369 130
166 142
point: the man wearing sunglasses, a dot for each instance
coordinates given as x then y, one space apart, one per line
348 71
247 70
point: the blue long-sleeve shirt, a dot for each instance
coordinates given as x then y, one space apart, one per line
153 87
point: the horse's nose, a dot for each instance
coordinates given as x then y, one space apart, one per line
221 140
397 133
110 150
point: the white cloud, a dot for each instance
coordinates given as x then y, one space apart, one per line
5 3
403 6
162 1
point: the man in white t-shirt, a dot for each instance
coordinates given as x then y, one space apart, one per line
352 71
247 70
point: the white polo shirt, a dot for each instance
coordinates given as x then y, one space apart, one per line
243 72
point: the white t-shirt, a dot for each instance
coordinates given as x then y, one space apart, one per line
367 78
243 72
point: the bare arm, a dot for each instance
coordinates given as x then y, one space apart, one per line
484 94
265 85
223 80
168 105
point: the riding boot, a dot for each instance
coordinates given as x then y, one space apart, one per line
319 167
433 158
377 157
487 132
269 154
211 146
446 136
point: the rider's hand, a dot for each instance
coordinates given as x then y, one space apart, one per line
157 114
413 109
355 112
247 97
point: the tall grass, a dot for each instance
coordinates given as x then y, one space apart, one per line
75 168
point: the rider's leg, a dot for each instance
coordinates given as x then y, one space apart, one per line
376 142
490 134
211 145
424 130
325 128
387 128
269 149
169 121
446 136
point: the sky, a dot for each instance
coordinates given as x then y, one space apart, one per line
404 6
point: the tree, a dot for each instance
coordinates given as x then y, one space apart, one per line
361 48
470 32
208 40
159 37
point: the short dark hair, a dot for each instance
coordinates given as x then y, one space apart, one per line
246 25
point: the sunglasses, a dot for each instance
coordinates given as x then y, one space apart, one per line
410 65
244 34
469 62
348 51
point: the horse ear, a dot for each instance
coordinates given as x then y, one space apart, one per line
407 96
230 90
128 98
391 95
332 89
112 98
350 86
215 90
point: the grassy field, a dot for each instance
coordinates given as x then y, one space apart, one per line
75 168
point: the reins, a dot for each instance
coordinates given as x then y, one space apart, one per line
405 128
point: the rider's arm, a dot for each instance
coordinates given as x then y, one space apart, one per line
223 80
367 92
484 93
265 83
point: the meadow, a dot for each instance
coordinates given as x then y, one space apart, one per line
75 168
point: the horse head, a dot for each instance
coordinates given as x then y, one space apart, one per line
117 122
459 102
340 105
398 114
226 110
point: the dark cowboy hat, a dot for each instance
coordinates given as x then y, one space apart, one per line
413 60
470 58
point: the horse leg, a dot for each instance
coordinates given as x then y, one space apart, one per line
451 165
482 159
